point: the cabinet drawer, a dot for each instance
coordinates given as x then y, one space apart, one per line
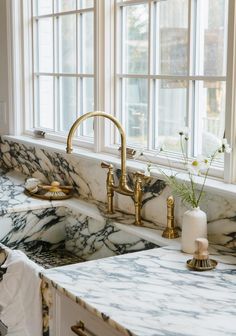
67 313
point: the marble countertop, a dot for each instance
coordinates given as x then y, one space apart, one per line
147 293
153 293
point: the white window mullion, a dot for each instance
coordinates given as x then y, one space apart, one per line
230 117
150 123
191 71
99 70
56 104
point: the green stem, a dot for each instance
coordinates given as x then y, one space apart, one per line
205 177
185 157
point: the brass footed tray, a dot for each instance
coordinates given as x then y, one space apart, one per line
51 192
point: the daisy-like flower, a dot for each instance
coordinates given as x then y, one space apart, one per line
199 165
224 147
147 171
194 167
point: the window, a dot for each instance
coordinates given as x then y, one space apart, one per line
171 61
157 65
63 64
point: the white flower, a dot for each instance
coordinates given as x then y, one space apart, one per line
225 147
194 167
199 165
228 149
147 171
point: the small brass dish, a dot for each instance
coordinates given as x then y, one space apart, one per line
52 192
201 265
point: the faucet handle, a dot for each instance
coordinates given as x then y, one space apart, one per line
141 176
107 165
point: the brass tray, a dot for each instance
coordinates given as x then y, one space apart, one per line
201 269
41 195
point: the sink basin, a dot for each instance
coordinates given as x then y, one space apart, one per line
58 236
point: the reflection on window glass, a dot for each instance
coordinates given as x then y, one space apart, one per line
67 43
135 41
45 45
211 111
67 102
135 107
88 42
173 31
212 37
171 112
45 101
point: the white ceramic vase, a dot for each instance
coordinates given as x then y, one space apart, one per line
194 226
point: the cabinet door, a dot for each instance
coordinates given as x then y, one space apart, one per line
68 314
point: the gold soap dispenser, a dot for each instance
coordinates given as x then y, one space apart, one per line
170 232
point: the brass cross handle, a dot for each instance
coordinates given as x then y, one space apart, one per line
141 177
79 329
107 165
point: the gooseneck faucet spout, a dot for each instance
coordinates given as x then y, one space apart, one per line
123 187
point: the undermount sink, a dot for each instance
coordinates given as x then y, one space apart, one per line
58 236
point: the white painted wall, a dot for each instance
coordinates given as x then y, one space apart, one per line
4 77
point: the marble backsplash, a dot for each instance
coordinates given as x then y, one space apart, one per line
90 182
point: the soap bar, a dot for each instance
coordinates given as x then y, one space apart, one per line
3 329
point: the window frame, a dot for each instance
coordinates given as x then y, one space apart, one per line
150 154
105 67
28 51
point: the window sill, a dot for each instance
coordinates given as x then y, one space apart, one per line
212 185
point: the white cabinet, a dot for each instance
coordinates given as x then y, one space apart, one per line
66 314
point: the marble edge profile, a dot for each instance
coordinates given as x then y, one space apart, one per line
88 307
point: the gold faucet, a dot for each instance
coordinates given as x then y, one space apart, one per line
170 231
122 187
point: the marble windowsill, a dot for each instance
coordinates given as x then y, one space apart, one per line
212 185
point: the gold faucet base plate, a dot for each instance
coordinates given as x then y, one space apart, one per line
170 233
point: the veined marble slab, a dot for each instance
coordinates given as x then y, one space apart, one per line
13 199
89 180
152 293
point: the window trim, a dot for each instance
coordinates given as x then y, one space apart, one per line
104 68
189 78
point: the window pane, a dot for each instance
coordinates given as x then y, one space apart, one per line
211 112
88 105
45 102
212 37
171 114
42 7
88 42
67 43
67 102
45 45
173 37
85 3
135 39
135 108
66 5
